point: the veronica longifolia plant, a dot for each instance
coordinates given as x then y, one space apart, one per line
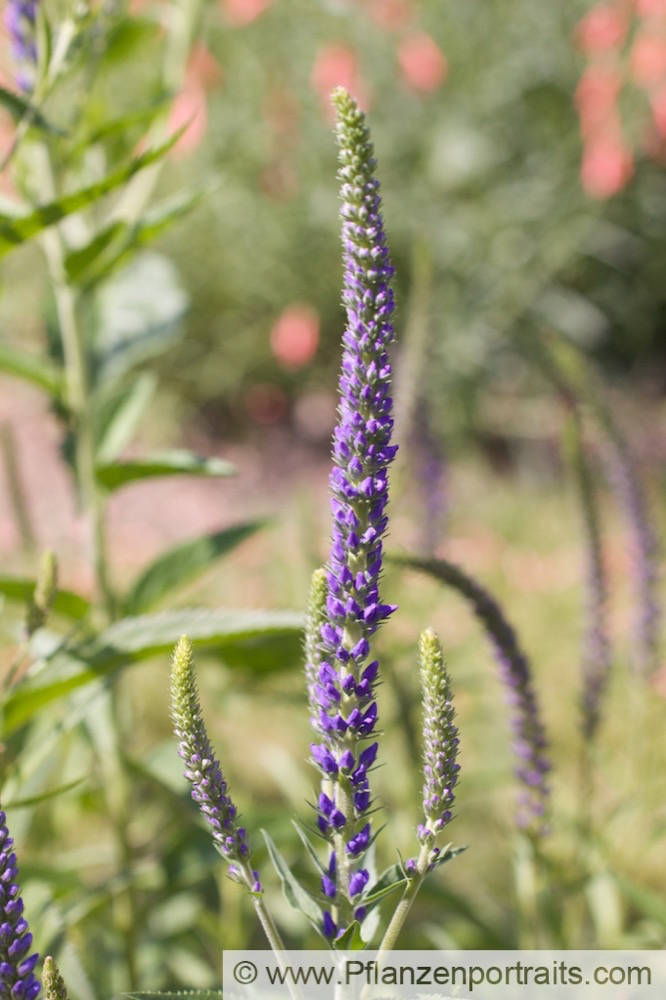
344 612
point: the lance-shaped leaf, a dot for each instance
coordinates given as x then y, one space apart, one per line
65 602
22 109
174 568
36 369
118 414
15 230
295 894
257 640
112 475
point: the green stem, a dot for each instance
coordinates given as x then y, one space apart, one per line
404 906
77 386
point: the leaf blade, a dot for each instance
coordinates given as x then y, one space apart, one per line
178 565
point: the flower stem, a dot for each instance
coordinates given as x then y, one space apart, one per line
404 906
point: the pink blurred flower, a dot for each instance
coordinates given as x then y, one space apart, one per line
607 166
603 29
648 60
189 109
336 65
240 12
422 63
651 8
203 67
295 336
390 14
596 97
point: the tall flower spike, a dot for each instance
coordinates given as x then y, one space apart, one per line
52 981
362 453
209 789
530 743
440 740
21 19
17 979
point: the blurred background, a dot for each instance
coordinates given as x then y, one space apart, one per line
522 159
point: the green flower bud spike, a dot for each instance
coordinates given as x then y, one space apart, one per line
41 602
209 789
440 766
52 982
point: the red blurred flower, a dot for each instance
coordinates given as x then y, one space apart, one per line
295 336
596 97
648 60
651 8
336 65
602 30
189 108
422 64
240 12
607 166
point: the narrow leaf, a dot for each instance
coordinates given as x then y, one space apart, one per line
351 940
139 314
32 368
66 602
268 640
180 564
172 463
390 879
15 231
20 108
305 840
52 793
295 894
118 414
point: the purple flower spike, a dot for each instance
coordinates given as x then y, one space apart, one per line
209 789
21 20
343 684
16 976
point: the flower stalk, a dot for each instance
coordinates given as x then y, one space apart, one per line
344 694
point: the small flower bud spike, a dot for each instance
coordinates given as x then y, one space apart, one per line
52 981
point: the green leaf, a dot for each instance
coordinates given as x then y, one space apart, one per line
32 368
305 840
118 414
21 108
390 879
52 793
139 314
78 261
448 854
175 567
17 230
351 940
266 640
110 247
294 893
167 463
66 602
176 995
